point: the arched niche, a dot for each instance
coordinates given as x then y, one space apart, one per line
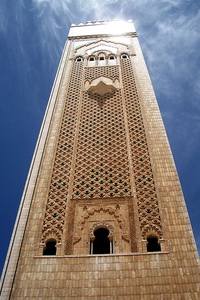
101 239
50 247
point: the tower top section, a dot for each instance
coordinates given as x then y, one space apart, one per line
105 28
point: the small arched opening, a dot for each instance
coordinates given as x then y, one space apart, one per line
101 244
102 61
79 59
124 56
112 59
91 58
50 247
91 61
153 244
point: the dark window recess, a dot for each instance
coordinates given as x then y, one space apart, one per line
50 248
124 56
91 59
101 58
101 244
79 59
152 244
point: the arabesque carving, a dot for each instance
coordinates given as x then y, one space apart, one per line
88 213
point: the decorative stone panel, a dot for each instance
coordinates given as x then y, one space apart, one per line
102 168
148 208
105 213
56 203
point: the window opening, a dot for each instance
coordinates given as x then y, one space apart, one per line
124 55
101 58
79 59
50 248
91 59
152 244
101 244
112 57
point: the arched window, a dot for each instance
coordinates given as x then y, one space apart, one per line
102 61
101 244
91 61
91 58
153 244
79 59
124 56
112 60
50 248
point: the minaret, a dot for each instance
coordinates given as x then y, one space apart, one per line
102 215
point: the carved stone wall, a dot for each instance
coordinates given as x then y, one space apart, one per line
147 201
56 205
102 165
104 213
102 168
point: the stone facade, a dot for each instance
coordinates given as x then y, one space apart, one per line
102 165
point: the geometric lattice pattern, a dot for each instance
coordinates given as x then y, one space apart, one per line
148 209
102 163
56 204
107 71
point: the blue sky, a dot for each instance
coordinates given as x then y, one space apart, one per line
32 36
